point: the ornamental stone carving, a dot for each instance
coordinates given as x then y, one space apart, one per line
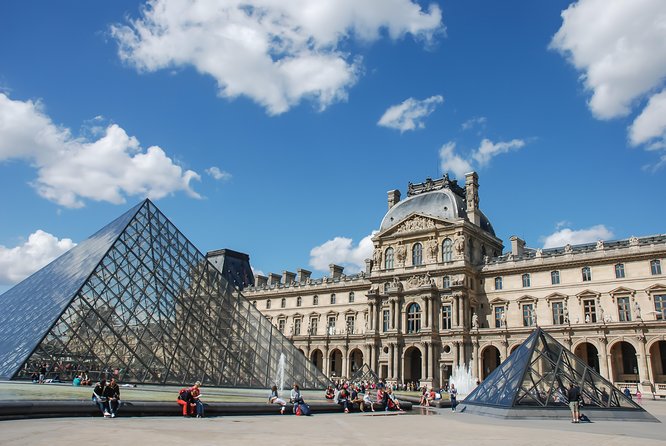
377 258
600 245
415 224
419 281
459 245
633 241
568 249
432 248
400 254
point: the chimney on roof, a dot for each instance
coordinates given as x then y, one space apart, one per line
336 271
274 279
517 246
288 277
303 275
393 198
472 198
260 281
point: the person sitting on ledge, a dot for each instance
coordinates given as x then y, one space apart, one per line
296 397
390 401
189 399
367 401
113 397
100 398
342 399
275 399
330 393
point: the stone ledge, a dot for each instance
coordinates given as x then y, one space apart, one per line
13 410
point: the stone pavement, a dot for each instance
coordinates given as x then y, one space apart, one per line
441 427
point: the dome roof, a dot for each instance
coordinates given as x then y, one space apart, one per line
442 204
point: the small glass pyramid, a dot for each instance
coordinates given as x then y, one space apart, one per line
365 373
538 374
138 301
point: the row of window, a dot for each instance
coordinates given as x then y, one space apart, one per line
297 328
586 274
417 254
299 301
590 315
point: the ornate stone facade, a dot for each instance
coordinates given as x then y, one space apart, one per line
439 292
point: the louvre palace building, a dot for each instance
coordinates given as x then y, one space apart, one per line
442 290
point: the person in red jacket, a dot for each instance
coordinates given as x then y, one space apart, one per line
189 400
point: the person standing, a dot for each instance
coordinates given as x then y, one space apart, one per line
453 394
573 396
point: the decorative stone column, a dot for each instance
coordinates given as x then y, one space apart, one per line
424 360
643 375
326 362
426 312
345 361
456 351
391 371
432 367
602 355
475 358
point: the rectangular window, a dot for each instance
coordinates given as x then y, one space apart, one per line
558 313
555 277
281 324
498 283
446 317
623 309
499 317
528 315
587 274
297 327
385 320
655 267
332 299
313 325
590 310
660 307
619 271
350 324
526 281
331 325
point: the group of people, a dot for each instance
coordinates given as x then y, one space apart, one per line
190 400
299 406
107 397
429 396
350 395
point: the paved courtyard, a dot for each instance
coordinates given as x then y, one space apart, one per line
436 427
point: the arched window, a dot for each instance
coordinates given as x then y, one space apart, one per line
527 282
587 274
268 304
351 297
446 282
315 300
414 318
417 254
332 299
447 250
299 301
283 303
388 259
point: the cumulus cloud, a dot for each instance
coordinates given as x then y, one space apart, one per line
619 48
565 236
450 161
71 170
341 251
275 52
410 114
218 174
39 250
650 125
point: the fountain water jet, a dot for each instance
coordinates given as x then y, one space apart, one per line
279 375
462 378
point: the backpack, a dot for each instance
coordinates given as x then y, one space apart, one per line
304 409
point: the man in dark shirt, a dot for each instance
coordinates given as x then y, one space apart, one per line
112 394
573 395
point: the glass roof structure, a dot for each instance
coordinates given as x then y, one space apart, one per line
365 373
138 301
538 374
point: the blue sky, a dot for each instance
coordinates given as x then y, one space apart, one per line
277 127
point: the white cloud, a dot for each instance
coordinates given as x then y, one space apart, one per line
565 236
650 125
488 150
450 161
341 251
70 170
40 249
473 122
218 174
410 114
618 46
275 52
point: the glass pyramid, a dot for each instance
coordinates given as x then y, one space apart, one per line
365 373
138 301
538 374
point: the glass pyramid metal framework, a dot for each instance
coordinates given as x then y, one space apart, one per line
537 375
365 373
137 300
